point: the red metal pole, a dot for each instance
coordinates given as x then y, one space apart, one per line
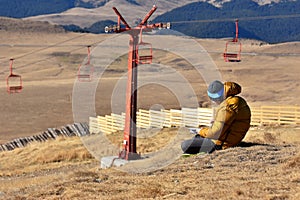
120 18
89 54
236 30
144 21
10 65
129 144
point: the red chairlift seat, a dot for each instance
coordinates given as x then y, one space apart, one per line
144 51
232 52
85 71
233 48
13 81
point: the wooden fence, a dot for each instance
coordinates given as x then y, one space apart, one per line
70 130
153 119
275 115
193 117
186 117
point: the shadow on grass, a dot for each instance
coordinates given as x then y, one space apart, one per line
250 144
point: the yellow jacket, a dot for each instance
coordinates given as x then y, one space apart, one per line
232 119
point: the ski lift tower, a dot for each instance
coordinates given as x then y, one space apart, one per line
134 58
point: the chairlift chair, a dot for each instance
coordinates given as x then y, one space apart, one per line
85 71
144 51
13 81
233 48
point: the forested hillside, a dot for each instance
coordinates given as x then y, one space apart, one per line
272 23
24 8
27 8
282 24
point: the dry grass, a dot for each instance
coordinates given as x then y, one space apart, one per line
265 170
147 140
39 156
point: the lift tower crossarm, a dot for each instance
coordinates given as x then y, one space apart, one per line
120 18
143 25
145 20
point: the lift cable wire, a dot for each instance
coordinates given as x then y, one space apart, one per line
240 19
243 53
50 57
47 47
175 22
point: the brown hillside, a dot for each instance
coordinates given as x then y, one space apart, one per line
19 25
86 17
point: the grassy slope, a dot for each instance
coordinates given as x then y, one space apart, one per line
64 169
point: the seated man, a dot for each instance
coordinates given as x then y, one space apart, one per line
231 120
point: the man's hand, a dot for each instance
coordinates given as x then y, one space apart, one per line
203 132
194 130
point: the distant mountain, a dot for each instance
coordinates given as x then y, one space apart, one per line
263 22
21 26
94 15
25 8
85 13
97 27
29 8
272 23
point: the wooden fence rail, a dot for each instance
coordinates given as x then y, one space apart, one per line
276 115
194 117
70 130
186 117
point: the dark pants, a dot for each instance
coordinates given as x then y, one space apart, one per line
199 144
